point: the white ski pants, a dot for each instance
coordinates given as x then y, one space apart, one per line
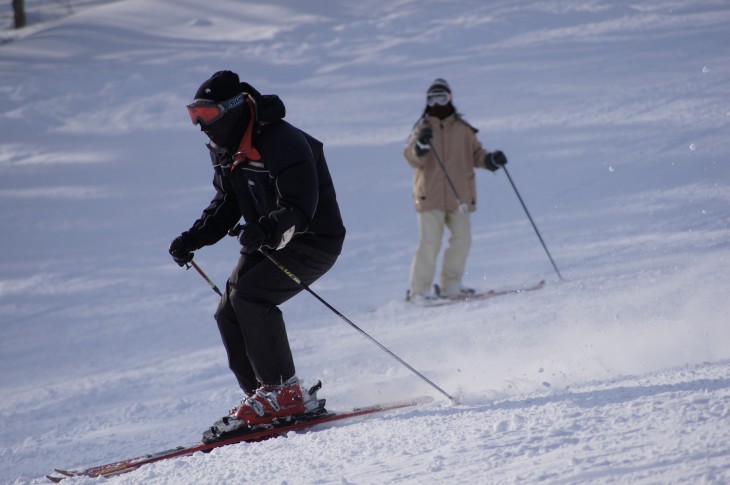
431 229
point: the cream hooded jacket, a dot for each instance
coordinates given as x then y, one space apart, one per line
457 146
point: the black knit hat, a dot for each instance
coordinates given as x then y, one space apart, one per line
221 86
439 84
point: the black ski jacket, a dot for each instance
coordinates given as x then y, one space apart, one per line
289 186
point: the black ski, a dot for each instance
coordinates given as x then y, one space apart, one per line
478 296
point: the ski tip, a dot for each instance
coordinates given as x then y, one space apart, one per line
56 479
422 400
405 403
415 401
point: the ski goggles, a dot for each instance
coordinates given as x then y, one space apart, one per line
441 98
207 112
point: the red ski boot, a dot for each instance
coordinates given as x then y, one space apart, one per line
271 403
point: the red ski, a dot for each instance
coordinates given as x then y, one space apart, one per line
246 434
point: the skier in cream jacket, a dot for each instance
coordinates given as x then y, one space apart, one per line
444 191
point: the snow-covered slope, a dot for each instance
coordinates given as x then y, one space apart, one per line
615 118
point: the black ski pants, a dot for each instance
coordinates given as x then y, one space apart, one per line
250 322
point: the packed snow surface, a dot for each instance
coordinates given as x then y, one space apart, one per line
614 116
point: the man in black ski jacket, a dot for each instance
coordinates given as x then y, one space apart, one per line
275 177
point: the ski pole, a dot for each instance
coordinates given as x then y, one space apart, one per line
531 221
382 347
462 206
205 277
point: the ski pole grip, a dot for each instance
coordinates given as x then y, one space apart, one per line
235 230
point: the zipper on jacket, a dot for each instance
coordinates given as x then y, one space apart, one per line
445 172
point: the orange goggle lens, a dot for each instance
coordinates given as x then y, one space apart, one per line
204 113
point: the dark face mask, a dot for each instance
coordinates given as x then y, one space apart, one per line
440 111
228 131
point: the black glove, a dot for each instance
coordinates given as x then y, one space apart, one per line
182 247
495 160
251 237
499 159
423 142
425 135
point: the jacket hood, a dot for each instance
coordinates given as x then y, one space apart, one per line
269 107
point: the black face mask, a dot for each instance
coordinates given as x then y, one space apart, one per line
228 131
440 111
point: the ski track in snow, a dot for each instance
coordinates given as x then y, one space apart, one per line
614 116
